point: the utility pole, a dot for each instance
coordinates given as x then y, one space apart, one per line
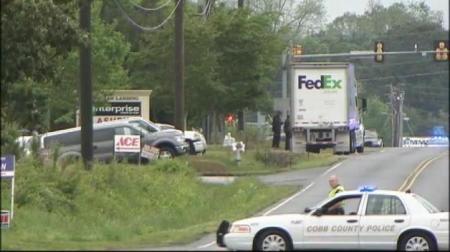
86 86
241 112
397 97
400 117
179 66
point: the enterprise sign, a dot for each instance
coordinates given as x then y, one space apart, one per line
119 108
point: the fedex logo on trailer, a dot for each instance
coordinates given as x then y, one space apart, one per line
127 143
325 82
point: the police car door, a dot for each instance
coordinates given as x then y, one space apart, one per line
335 225
384 217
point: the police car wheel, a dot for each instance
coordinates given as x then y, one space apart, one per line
273 240
417 241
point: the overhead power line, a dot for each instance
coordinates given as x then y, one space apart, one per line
405 76
144 28
150 9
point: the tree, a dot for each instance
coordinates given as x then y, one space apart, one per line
249 54
36 34
109 51
400 27
40 62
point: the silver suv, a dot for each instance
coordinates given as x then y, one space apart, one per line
170 144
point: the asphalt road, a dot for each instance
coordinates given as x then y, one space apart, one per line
385 169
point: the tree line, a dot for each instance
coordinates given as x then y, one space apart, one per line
232 58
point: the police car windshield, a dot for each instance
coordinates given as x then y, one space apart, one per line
427 205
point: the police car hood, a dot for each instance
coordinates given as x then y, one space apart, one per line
279 219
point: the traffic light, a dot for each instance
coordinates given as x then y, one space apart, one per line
297 50
379 50
229 119
441 49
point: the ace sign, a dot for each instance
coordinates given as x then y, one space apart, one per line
127 143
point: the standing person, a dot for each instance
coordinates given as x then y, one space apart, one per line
288 132
276 128
336 188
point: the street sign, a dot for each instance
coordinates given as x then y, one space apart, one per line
127 143
7 166
4 219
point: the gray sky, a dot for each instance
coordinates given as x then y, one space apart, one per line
336 8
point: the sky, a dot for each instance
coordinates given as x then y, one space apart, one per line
336 8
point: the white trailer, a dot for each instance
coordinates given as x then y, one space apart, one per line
324 107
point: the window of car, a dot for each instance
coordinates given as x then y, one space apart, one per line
103 134
344 205
384 205
64 139
426 204
128 130
140 124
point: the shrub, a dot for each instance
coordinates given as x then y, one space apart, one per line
275 157
9 134
173 166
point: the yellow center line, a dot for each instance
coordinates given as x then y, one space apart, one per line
411 174
409 181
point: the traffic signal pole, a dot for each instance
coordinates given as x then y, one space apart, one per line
359 54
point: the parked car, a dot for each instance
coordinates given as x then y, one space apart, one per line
369 219
169 143
371 139
195 139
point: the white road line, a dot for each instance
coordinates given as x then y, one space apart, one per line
330 169
288 199
207 245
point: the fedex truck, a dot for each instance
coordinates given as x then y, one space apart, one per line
325 109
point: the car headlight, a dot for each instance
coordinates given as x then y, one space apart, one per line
240 229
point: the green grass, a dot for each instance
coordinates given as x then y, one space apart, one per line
124 206
221 160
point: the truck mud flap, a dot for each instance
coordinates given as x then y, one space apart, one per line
312 148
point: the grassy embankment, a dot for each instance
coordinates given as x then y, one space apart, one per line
258 160
123 206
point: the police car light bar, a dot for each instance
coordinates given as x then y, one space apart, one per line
367 188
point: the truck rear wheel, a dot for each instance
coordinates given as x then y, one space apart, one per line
352 142
360 149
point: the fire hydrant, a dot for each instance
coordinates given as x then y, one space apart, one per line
238 148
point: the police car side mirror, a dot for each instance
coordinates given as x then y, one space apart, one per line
319 211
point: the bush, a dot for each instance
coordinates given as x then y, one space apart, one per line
9 134
275 157
173 166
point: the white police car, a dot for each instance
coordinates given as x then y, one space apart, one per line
361 219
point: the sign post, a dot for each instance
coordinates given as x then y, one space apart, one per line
127 143
8 163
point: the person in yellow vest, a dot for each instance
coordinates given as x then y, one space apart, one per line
335 189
